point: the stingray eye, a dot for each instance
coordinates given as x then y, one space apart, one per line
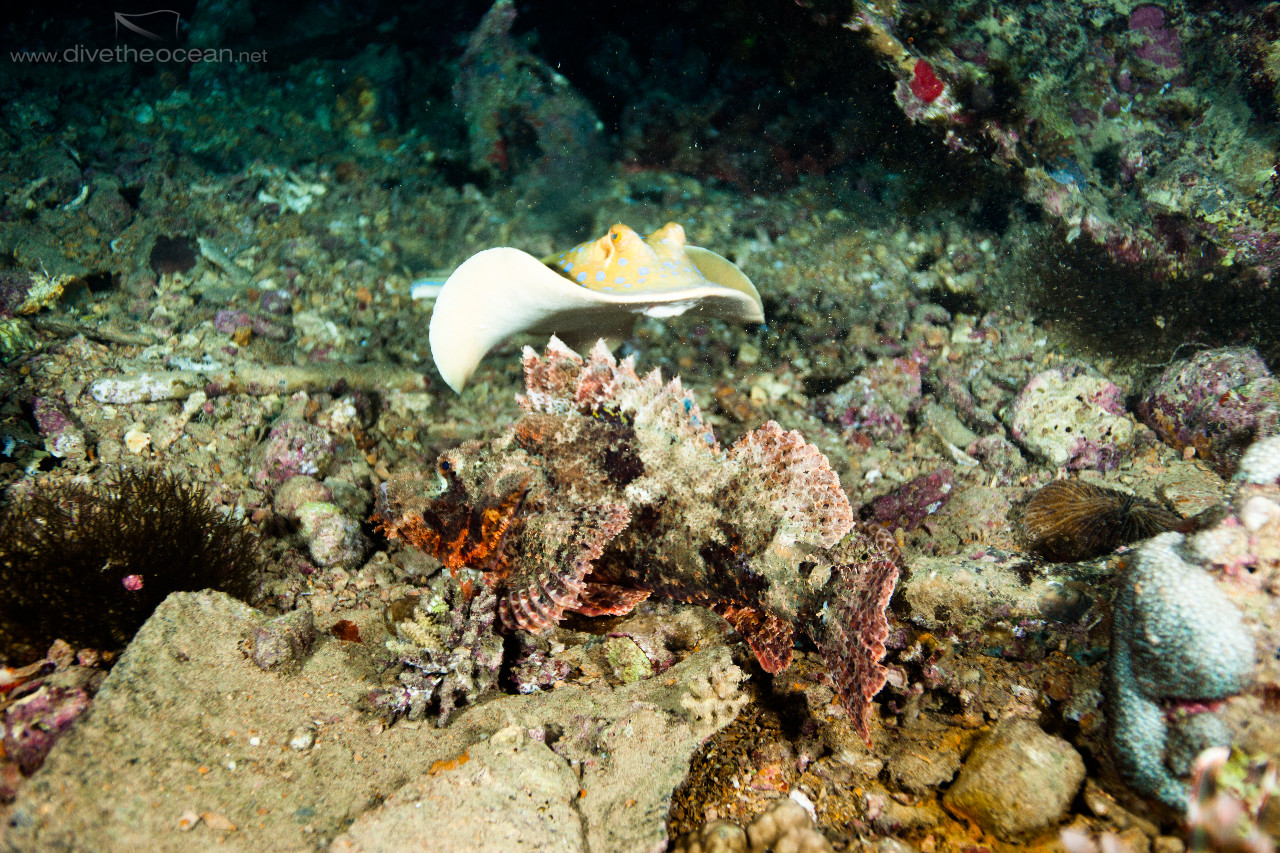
615 236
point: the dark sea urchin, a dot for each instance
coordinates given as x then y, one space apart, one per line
1070 520
88 563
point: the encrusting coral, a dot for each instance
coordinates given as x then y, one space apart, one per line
613 488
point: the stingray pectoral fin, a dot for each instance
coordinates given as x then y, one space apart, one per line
491 296
726 274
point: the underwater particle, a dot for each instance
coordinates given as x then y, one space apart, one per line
1178 647
1071 520
925 84
67 550
171 255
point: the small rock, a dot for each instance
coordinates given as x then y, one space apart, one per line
295 492
1017 780
218 821
303 739
1070 416
628 660
282 644
333 538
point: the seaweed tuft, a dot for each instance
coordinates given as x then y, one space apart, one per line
89 563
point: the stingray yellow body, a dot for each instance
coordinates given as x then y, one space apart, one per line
622 260
595 290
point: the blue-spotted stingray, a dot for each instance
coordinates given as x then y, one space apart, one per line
595 290
612 489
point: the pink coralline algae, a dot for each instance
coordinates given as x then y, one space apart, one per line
35 712
291 448
1162 46
911 503
1215 403
612 488
925 84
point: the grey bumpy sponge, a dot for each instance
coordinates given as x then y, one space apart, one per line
1176 640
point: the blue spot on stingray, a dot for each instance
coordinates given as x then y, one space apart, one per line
620 280
568 266
622 262
643 270
600 275
580 277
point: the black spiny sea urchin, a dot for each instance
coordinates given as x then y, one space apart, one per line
88 563
1070 520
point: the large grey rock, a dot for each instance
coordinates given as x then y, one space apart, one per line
508 793
1017 780
187 725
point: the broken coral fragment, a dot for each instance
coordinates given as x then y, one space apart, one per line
613 488
596 290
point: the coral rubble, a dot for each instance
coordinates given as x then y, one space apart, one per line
452 653
613 488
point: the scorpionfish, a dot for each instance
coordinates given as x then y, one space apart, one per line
612 488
